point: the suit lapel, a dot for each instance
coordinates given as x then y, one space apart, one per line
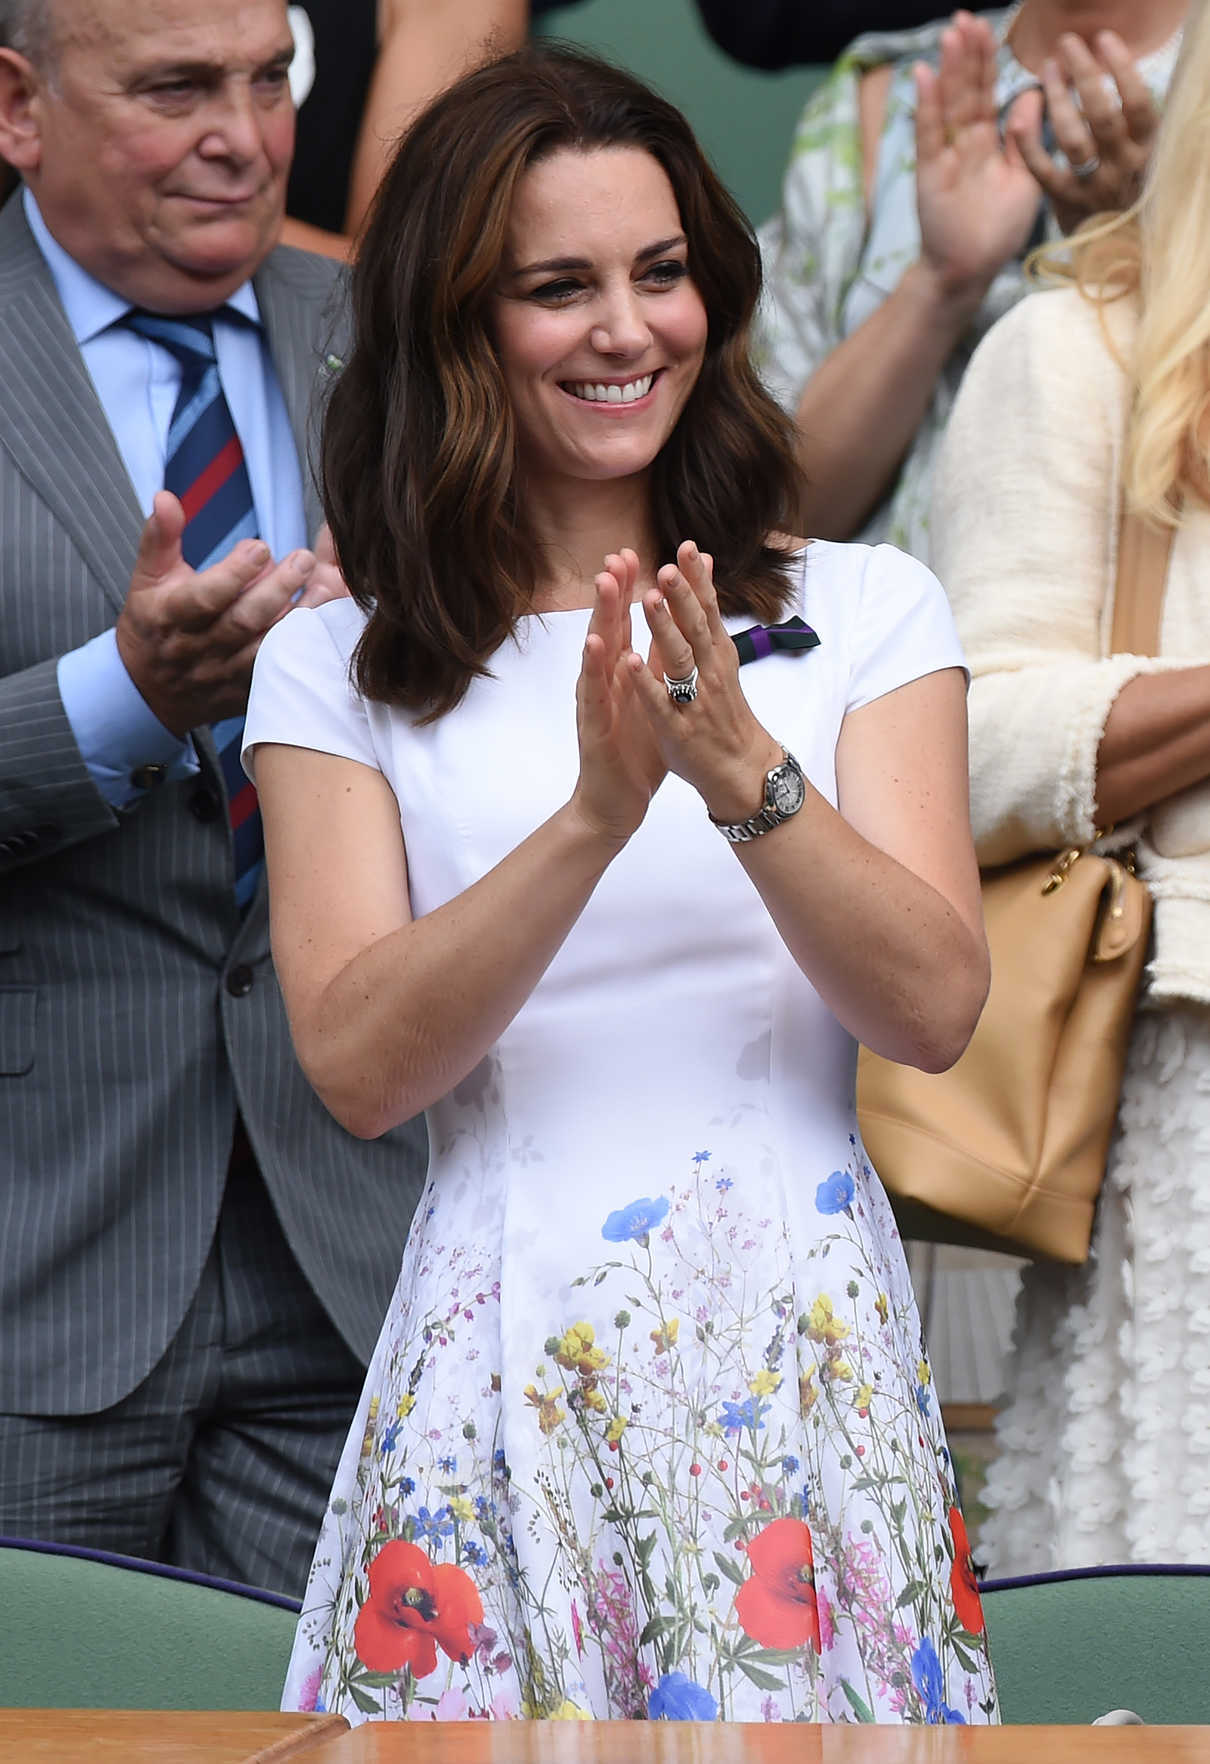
51 420
289 315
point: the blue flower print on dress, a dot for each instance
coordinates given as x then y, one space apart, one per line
677 1698
736 1416
836 1194
633 1222
926 1676
434 1527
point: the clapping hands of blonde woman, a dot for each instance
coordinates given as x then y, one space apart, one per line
1104 122
714 743
620 765
976 196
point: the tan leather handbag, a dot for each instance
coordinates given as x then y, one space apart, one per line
1007 1149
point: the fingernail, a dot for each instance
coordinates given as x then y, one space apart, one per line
259 552
304 561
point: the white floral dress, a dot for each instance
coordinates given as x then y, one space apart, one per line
650 1429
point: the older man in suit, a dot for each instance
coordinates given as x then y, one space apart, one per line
196 1258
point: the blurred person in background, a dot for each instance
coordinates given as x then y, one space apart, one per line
793 33
196 1257
362 70
1086 393
922 172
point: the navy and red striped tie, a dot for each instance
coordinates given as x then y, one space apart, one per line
205 468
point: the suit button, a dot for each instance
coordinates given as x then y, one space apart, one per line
204 804
240 981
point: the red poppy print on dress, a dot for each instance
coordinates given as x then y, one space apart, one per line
413 1607
963 1585
776 1605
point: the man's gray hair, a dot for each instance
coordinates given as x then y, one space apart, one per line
27 27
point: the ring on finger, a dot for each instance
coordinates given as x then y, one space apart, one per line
1087 168
684 690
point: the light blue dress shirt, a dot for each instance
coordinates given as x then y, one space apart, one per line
137 382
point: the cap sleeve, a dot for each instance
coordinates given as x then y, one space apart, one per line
302 694
903 627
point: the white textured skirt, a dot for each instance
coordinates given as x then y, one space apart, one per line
1104 1445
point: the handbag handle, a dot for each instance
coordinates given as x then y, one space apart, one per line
1138 596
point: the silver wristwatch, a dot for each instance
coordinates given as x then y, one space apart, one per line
785 793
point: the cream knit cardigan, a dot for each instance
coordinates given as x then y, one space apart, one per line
1025 539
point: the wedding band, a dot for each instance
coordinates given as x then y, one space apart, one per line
1086 168
682 691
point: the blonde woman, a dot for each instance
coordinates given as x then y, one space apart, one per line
1100 386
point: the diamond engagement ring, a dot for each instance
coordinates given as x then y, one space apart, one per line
1087 168
682 691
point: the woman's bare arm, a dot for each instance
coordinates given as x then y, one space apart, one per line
423 46
1156 741
877 900
977 201
388 1012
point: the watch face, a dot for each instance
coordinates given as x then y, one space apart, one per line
786 789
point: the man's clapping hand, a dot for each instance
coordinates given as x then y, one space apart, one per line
188 638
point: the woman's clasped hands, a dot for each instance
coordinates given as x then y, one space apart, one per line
633 731
980 178
1104 124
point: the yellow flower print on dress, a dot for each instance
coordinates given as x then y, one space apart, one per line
367 1440
405 1405
808 1396
765 1382
547 1405
616 1429
577 1350
665 1336
823 1323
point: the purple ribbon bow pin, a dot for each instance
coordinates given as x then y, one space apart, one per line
761 640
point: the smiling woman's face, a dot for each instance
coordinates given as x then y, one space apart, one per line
599 329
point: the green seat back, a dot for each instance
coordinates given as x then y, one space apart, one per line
745 119
1069 1647
80 1633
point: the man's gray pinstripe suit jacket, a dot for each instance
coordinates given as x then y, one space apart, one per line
123 1050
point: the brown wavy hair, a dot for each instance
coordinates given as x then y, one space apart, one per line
419 455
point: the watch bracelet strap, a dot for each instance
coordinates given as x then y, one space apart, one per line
765 818
739 832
